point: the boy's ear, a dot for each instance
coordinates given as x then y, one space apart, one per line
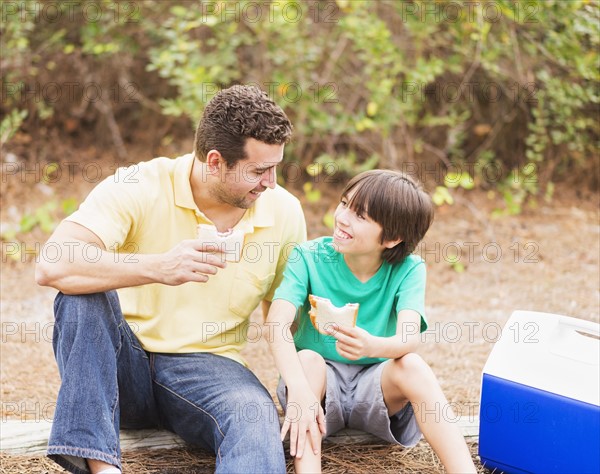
214 161
388 244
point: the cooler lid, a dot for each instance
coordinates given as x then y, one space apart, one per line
549 352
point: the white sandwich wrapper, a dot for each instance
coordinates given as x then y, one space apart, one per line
323 313
230 242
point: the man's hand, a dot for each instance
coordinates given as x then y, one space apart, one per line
190 260
303 414
352 343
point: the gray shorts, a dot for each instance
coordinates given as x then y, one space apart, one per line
354 400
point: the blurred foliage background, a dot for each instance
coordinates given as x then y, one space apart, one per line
500 95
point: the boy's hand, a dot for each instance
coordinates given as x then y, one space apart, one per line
303 414
352 343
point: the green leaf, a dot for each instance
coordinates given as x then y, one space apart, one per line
16 256
314 169
69 206
49 171
28 222
313 196
11 123
466 181
9 235
372 108
485 30
179 11
442 196
47 223
45 218
329 220
452 179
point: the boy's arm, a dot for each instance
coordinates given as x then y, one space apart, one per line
304 412
354 343
407 338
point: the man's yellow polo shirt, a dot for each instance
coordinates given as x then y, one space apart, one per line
148 208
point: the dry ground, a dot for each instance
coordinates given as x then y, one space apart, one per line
546 259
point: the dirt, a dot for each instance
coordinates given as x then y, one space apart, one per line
545 259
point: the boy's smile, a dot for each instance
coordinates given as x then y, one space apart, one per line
356 234
340 234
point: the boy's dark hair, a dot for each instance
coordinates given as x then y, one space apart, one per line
397 203
235 114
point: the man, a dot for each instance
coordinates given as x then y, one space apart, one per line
177 362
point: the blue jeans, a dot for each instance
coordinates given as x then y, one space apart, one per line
109 382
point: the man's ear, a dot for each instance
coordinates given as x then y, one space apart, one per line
214 161
388 244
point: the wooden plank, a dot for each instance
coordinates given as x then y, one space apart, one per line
469 427
24 437
30 438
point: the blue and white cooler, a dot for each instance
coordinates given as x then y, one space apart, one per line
540 397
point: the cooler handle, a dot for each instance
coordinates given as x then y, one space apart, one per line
568 341
579 325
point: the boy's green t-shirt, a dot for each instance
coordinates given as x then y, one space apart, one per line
316 268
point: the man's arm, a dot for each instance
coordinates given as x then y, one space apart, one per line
84 265
266 305
295 234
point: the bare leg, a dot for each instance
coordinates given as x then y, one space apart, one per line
410 378
98 466
316 372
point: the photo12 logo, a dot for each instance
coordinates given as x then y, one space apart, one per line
54 92
469 12
291 92
471 252
275 11
472 91
70 10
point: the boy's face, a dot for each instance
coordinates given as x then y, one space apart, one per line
356 234
241 185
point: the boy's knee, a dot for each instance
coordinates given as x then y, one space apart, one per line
411 364
311 359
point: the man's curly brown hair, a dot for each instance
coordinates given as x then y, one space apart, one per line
236 114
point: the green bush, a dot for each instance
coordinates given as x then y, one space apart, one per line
429 87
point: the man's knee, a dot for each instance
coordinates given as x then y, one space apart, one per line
250 408
82 305
90 316
82 309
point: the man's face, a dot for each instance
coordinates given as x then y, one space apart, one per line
242 185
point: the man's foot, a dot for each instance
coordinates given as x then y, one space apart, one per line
100 467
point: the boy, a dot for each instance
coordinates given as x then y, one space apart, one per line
365 377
